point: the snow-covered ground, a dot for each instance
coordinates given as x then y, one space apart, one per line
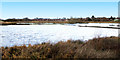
24 34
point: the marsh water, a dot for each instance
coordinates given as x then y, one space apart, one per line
35 34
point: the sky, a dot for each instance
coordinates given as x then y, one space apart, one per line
58 9
60 0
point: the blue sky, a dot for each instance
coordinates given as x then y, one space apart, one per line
58 9
60 0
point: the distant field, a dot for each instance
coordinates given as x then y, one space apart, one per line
8 23
14 23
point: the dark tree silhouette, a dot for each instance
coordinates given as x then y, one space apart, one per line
93 17
111 18
89 19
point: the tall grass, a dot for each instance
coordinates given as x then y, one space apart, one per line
107 47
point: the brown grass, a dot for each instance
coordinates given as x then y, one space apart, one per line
7 23
14 23
107 47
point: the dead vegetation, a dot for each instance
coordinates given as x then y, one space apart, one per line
107 47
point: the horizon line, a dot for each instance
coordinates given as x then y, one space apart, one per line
59 17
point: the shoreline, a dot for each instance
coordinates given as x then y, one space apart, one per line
100 27
38 22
